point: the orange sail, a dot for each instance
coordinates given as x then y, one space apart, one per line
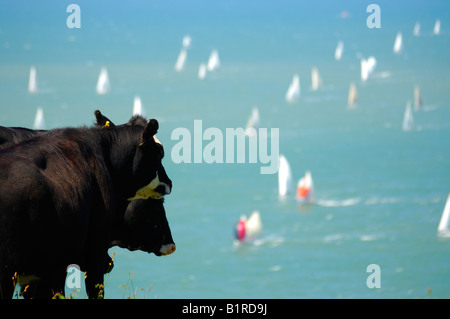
305 188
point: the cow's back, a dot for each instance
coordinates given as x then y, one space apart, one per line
13 135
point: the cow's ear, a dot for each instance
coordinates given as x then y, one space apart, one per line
103 121
150 130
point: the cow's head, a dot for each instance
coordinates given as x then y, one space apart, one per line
147 165
147 228
147 172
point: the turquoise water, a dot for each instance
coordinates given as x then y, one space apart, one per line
380 191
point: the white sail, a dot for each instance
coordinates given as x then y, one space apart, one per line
352 96
398 44
293 92
213 61
417 98
181 60
187 41
202 71
305 188
367 67
339 50
253 225
32 81
39 123
444 223
284 177
252 123
416 30
408 120
364 70
316 80
103 85
137 106
437 27
371 64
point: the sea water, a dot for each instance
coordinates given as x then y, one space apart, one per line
379 192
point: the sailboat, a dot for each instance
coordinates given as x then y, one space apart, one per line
305 188
293 92
254 225
408 120
417 98
416 30
437 27
213 61
352 96
316 80
39 123
202 71
137 106
398 44
252 123
181 60
32 81
339 50
367 67
103 85
284 178
444 223
187 41
248 229
364 70
239 231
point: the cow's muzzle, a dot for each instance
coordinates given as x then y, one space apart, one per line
167 249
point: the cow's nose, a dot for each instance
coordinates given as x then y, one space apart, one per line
168 187
160 189
167 249
163 189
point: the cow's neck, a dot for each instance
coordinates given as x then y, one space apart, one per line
120 148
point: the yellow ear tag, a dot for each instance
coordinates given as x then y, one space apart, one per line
106 124
146 192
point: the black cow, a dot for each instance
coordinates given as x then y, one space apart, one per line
67 193
148 214
14 135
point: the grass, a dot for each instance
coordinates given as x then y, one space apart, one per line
129 287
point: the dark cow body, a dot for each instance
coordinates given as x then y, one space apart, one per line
14 135
64 200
